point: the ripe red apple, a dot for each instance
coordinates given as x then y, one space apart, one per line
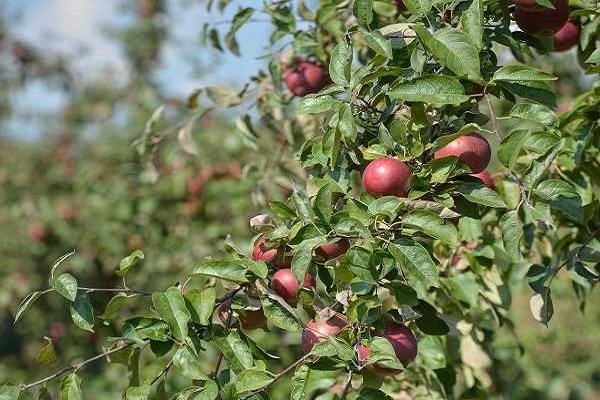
528 5
544 22
284 283
36 231
400 5
334 250
472 150
305 78
261 252
386 177
567 37
317 331
484 177
66 211
195 185
402 340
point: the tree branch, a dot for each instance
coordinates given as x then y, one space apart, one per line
123 290
277 377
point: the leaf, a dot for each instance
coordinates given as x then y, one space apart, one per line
339 65
56 264
129 262
82 312
454 49
386 205
363 11
481 194
201 304
416 262
535 113
189 365
303 256
512 231
594 58
445 139
521 73
379 43
464 287
279 315
313 104
113 306
232 270
138 393
66 286
240 18
184 137
369 393
70 388
541 306
511 146
552 189
171 308
251 379
431 89
234 349
300 382
431 225
10 392
361 263
223 97
432 352
404 294
472 22
26 303
46 355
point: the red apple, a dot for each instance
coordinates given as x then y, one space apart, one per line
261 252
402 340
284 283
386 177
317 331
528 5
195 185
36 231
485 178
334 250
567 37
545 22
66 211
400 5
305 78
472 150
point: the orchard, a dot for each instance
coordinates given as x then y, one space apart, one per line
417 167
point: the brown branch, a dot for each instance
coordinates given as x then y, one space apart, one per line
123 290
277 377
164 371
347 386
75 367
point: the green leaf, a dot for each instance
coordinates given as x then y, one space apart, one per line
282 210
481 194
386 205
339 65
418 7
472 22
138 393
541 306
239 19
363 11
314 104
171 308
416 263
379 43
82 312
189 365
46 355
383 354
454 49
464 287
66 286
129 262
201 304
251 379
362 263
404 294
538 91
148 328
369 393
234 349
432 225
512 231
113 306
535 113
431 89
223 97
432 352
56 264
10 392
26 303
594 58
231 270
303 256
279 315
552 189
521 73
511 147
70 388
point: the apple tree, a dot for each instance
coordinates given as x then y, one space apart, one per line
387 271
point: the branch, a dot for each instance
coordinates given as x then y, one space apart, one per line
162 372
347 386
123 290
277 377
76 367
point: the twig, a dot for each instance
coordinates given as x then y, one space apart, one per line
123 290
573 256
162 372
76 367
347 386
492 114
228 298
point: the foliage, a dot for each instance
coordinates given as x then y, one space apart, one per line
404 84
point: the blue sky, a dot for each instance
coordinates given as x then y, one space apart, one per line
75 27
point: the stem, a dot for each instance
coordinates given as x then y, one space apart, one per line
228 298
277 377
347 386
123 290
162 372
75 367
492 114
